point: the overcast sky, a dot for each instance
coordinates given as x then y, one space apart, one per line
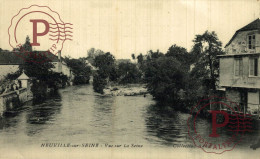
123 27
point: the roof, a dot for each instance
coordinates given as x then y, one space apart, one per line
17 58
9 58
23 76
255 25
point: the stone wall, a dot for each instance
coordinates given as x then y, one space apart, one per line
12 100
233 95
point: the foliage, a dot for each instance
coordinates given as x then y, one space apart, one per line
106 70
169 76
128 73
154 55
180 54
104 60
92 53
99 83
122 73
80 69
27 45
43 77
39 68
206 65
164 76
106 65
140 58
133 56
57 80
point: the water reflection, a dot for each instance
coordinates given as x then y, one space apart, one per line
12 118
167 126
42 113
9 121
101 118
77 115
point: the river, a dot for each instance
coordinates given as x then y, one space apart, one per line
78 115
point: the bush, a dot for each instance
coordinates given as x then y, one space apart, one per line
81 80
128 73
165 77
80 70
99 83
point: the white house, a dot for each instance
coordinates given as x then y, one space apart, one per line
239 68
10 61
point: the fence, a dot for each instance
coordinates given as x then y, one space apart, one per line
241 108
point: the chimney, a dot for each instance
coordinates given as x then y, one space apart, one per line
59 55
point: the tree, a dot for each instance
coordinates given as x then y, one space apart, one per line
106 64
133 56
140 58
104 60
204 53
99 83
164 77
80 69
92 53
180 54
106 71
27 45
40 70
154 55
36 67
128 73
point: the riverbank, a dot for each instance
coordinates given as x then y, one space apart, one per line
126 90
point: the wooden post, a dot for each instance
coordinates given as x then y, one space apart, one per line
210 104
244 110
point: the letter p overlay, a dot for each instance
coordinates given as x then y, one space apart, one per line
35 33
215 125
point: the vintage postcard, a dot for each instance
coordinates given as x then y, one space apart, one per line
117 79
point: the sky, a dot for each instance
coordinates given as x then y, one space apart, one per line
123 27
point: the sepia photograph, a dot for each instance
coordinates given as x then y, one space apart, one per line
123 79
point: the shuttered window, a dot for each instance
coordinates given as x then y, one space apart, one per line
253 67
238 67
251 42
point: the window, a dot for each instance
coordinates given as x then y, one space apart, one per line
253 68
251 42
238 67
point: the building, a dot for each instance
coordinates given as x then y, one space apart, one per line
10 61
239 68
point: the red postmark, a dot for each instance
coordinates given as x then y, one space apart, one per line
226 122
46 30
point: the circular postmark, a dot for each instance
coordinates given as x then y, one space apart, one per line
224 128
43 30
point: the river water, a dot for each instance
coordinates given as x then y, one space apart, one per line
78 115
